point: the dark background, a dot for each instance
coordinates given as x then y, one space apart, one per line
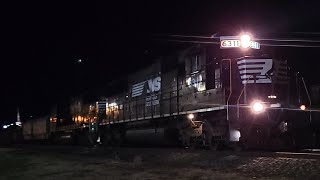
42 41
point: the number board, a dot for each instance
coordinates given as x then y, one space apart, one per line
234 42
230 43
254 45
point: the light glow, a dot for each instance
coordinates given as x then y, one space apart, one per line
196 81
272 97
112 106
191 116
257 107
276 105
234 135
245 40
303 107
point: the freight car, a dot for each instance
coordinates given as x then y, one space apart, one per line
45 130
36 129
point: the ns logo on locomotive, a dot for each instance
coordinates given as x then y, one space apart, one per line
203 95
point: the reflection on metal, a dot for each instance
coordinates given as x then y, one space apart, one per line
234 135
276 105
196 81
283 126
197 128
54 119
307 92
166 115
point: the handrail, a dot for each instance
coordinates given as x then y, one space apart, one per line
305 87
230 84
244 86
129 109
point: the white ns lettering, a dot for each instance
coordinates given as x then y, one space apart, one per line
154 85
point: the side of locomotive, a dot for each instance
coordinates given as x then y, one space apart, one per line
199 97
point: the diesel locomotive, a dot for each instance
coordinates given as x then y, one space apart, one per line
199 96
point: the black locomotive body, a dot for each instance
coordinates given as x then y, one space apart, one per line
201 97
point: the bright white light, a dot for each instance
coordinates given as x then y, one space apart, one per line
303 107
4 126
112 106
276 105
18 123
188 81
234 135
272 97
245 40
257 107
196 81
191 116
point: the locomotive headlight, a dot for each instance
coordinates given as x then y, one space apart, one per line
245 40
258 107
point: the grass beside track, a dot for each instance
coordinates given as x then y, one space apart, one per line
139 164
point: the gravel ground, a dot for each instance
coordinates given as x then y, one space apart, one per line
143 163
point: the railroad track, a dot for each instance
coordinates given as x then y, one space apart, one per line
96 151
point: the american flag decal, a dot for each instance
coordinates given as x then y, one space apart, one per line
255 71
137 89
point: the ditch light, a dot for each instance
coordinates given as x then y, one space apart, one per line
257 107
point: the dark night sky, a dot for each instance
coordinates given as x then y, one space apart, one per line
42 42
